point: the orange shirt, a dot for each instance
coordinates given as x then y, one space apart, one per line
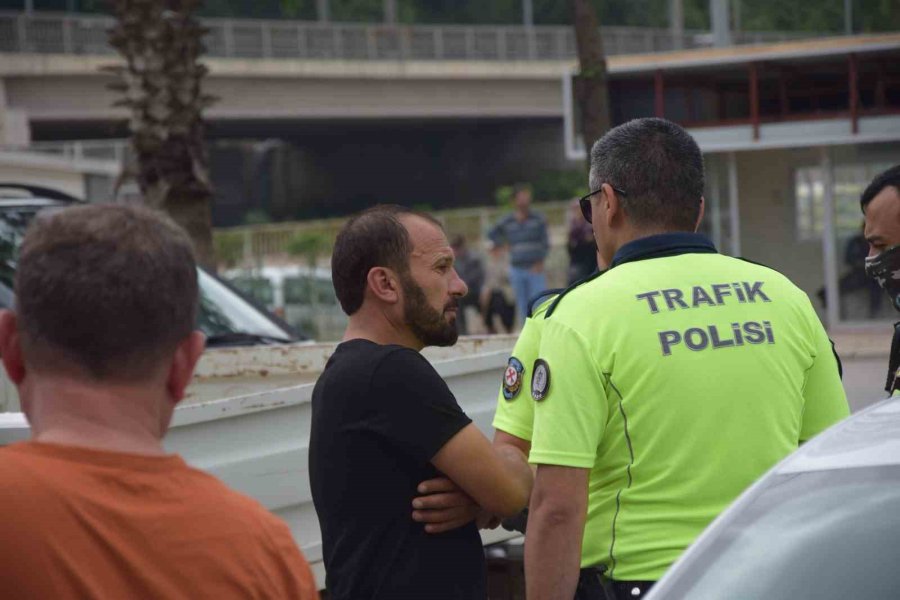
83 523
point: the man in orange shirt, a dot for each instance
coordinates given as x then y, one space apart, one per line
101 347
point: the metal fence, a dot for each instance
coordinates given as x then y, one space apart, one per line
62 33
267 244
112 150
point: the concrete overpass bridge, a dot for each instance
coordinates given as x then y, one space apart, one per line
274 74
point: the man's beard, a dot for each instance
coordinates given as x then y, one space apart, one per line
430 326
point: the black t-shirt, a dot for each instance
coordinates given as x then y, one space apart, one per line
379 414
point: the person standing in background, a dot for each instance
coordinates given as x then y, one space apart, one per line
581 245
525 232
470 268
496 295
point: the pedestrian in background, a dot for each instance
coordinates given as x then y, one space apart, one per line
524 231
497 295
665 385
581 245
470 267
101 347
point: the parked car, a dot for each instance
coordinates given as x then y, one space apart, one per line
227 317
304 297
823 524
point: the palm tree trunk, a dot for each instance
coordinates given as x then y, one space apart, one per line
161 43
590 87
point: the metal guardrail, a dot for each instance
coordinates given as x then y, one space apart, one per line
62 33
114 150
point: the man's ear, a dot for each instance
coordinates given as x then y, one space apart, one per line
383 284
611 207
700 214
11 347
181 370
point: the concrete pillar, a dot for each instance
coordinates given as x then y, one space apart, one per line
720 20
848 17
527 13
676 23
14 128
323 12
829 249
734 216
390 12
714 201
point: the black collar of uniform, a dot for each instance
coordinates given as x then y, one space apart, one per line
653 246
663 244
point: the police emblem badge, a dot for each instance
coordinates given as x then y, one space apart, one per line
512 378
540 380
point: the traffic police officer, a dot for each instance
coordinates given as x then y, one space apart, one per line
666 385
880 203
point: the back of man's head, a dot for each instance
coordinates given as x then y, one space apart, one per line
374 238
104 291
891 177
659 167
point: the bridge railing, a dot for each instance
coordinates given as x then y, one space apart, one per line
63 33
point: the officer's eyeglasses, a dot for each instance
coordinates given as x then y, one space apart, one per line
585 201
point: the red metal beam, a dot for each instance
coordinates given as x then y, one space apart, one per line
659 94
754 99
854 92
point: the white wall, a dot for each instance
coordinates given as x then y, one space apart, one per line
67 181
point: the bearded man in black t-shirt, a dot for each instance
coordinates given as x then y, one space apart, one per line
384 422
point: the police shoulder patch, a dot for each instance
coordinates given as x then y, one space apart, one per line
512 378
540 380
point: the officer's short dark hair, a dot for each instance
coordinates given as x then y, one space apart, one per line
373 238
891 177
659 167
106 291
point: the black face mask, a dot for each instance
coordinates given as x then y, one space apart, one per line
885 269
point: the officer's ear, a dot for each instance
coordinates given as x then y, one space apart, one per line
700 214
384 284
610 205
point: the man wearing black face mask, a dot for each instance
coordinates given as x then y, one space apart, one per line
881 206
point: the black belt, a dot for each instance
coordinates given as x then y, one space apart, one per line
593 585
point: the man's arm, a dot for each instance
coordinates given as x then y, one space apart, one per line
497 234
501 438
498 479
824 398
444 506
555 531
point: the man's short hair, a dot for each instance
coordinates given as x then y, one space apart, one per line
104 290
373 238
891 177
659 167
